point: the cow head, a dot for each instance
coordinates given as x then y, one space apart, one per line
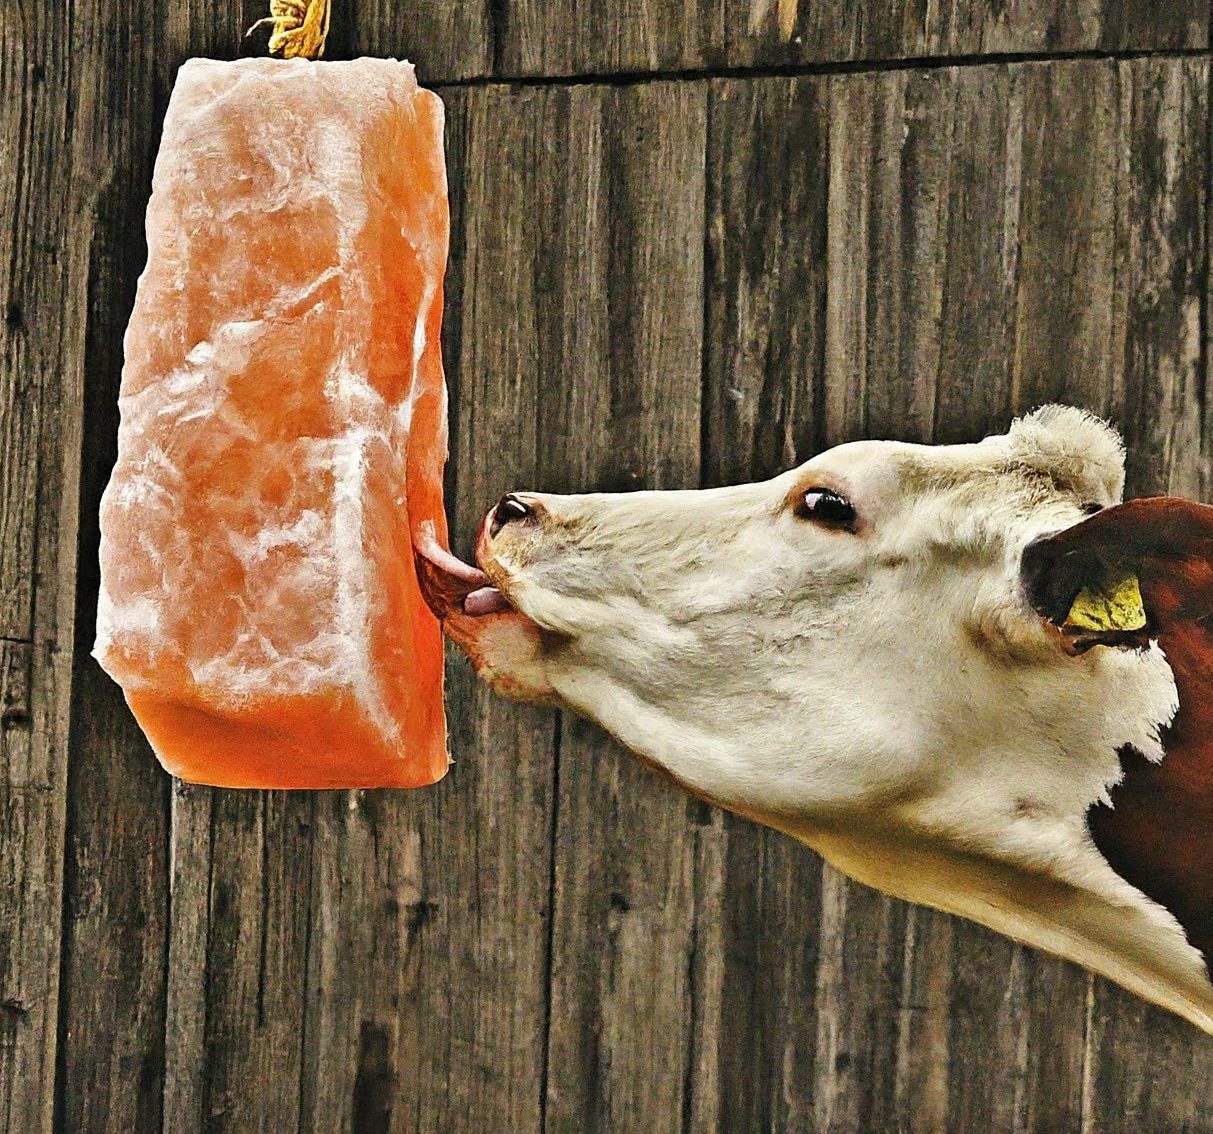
847 652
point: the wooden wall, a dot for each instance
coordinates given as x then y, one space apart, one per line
693 243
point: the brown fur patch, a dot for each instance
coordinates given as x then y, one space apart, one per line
1158 832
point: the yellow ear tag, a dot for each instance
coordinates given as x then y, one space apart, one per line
1116 606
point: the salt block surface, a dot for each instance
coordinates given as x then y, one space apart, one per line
283 432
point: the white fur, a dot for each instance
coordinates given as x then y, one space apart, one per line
886 696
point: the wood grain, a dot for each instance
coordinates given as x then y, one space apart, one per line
184 1102
43 299
768 180
620 347
471 39
781 32
539 37
451 40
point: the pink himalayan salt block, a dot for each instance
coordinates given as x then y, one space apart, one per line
283 432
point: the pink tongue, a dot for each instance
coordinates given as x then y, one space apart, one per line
487 600
444 579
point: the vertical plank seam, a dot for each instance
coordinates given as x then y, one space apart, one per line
456 251
305 992
819 386
59 1106
705 360
264 944
1015 296
498 12
1086 1099
59 1052
553 830
557 740
1202 370
204 1093
166 955
1123 99
705 315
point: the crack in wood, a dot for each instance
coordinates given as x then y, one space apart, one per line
915 63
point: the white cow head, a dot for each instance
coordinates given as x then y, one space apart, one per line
846 653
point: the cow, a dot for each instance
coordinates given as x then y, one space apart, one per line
864 653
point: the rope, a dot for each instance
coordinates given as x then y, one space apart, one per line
299 27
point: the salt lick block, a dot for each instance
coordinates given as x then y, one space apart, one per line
283 432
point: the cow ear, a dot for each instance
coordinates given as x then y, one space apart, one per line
1075 449
1165 542
1091 599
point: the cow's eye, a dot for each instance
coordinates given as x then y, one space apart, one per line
1091 507
825 506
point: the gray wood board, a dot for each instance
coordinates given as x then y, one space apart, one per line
470 39
620 358
43 300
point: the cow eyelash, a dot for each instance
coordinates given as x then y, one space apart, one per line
828 508
1091 507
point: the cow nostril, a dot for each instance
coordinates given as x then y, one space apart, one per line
509 510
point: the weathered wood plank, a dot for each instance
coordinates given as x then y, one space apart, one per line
541 37
782 32
189 940
368 915
29 932
705 1089
1147 1069
890 140
241 873
447 41
473 1017
768 178
1067 315
620 346
978 270
115 933
32 112
261 845
44 209
468 39
1161 268
765 337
